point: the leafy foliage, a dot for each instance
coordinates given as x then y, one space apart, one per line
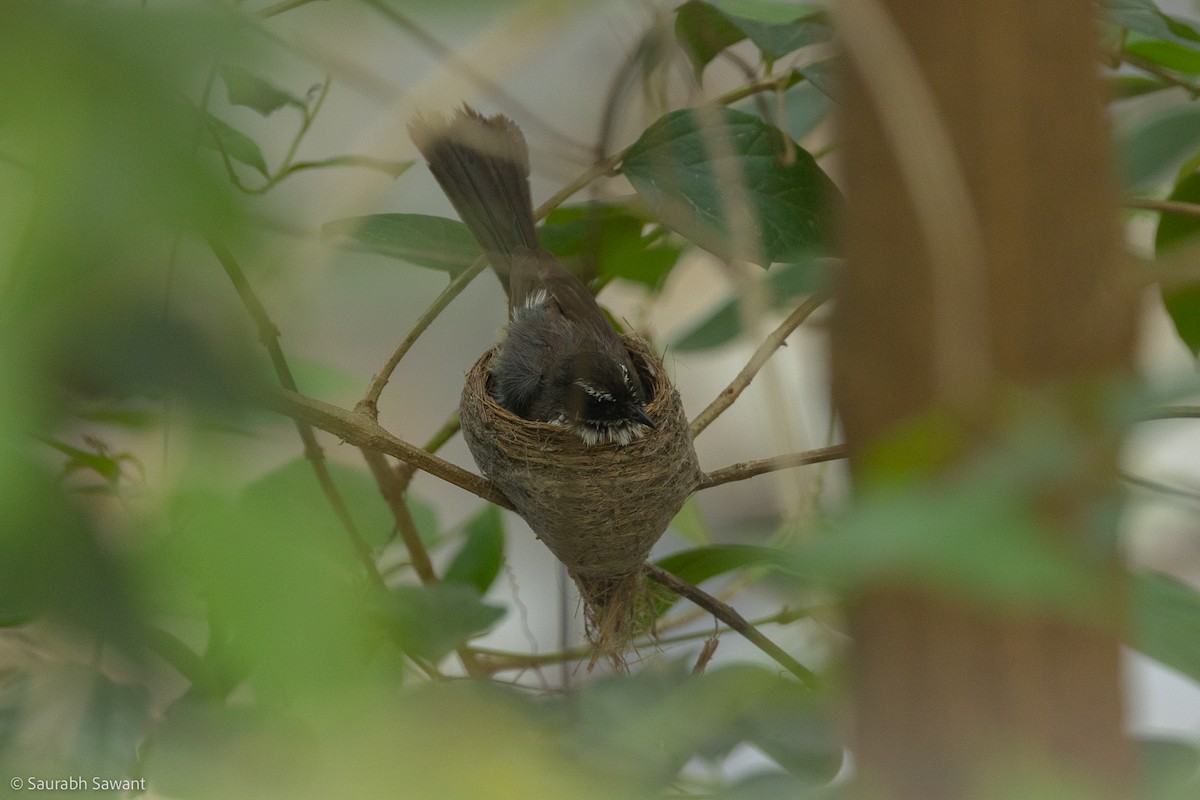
233 642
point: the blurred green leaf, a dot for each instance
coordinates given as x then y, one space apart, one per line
52 560
1158 144
1144 17
224 138
1122 87
101 463
425 518
1167 622
293 492
703 32
1170 55
702 563
976 535
650 724
705 29
607 241
1170 768
723 323
691 525
683 165
247 89
822 74
1182 302
479 560
431 621
427 241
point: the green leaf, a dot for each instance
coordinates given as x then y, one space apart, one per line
1159 144
1170 768
1170 55
683 165
425 518
292 492
1123 87
479 560
1143 17
233 143
104 465
703 32
723 323
1167 623
653 722
431 621
427 241
821 74
701 564
246 89
607 241
691 525
1182 302
776 40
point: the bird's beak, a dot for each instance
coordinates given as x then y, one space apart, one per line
641 416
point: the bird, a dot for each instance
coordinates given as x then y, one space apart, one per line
559 360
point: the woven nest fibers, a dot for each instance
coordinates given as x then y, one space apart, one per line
599 508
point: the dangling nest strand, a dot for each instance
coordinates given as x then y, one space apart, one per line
599 508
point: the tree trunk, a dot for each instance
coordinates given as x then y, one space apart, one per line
947 297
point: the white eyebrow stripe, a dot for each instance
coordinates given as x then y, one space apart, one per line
593 391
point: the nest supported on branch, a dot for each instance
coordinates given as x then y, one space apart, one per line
599 508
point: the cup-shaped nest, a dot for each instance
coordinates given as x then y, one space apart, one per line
601 507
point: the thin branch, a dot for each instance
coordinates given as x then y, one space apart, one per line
1158 487
1164 206
772 343
504 660
370 403
358 429
1172 412
749 469
269 336
734 620
393 495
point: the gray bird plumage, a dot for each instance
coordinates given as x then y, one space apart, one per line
560 360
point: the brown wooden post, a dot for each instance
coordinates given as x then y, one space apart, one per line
938 687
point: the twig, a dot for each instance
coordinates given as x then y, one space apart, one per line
1172 412
1164 206
503 660
360 430
370 403
269 336
734 620
393 495
772 343
749 469
1158 487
